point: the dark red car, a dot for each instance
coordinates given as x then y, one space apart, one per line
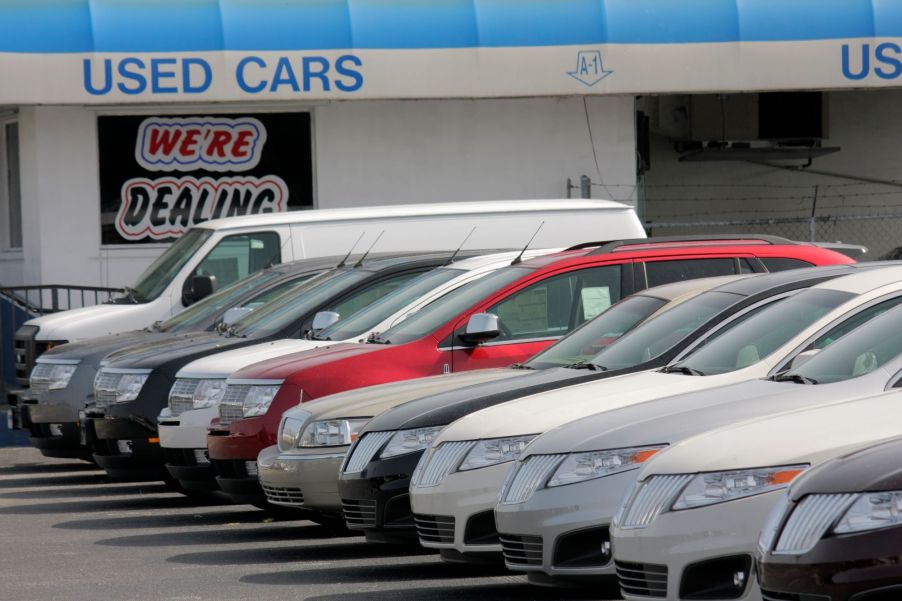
502 318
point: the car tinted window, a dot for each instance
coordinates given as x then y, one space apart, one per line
782 264
666 272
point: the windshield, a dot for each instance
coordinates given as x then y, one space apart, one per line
161 272
590 338
659 335
433 316
858 353
364 320
760 335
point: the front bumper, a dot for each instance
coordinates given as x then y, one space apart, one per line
55 430
308 480
188 430
839 568
377 499
561 532
458 514
126 450
677 547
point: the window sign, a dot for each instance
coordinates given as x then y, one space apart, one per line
159 176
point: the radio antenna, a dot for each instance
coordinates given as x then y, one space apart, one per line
366 254
345 260
456 252
519 258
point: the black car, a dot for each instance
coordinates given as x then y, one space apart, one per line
133 385
51 413
375 498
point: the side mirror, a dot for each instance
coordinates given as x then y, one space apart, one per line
324 319
234 314
803 358
201 287
481 327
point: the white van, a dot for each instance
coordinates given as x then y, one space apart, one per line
219 252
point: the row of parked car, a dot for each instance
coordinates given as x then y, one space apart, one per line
689 417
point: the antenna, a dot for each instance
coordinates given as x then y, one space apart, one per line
456 252
360 262
519 258
345 260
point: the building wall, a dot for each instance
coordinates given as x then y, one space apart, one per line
366 152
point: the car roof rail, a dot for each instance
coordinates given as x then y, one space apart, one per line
698 240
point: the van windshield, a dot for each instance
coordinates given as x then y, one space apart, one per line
435 315
161 272
364 320
593 336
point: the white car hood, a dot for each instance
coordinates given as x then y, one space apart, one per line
795 437
91 322
541 412
223 365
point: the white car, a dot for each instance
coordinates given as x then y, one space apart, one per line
691 523
555 509
199 386
456 484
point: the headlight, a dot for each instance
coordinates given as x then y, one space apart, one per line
718 487
871 511
410 441
258 399
332 432
290 430
208 393
578 467
495 451
56 375
129 387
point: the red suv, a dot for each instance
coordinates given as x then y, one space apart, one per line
502 318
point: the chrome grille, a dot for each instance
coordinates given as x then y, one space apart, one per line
359 514
435 528
521 550
181 396
231 408
283 495
809 521
652 497
530 475
642 579
105 386
39 381
364 451
442 461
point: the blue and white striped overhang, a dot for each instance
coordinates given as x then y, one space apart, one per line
98 51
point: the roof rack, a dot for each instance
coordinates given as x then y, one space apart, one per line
606 247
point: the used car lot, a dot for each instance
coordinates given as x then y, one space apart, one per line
77 532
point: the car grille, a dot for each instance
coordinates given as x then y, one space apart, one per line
359 514
435 528
105 387
364 451
281 495
775 596
181 396
434 467
642 579
231 409
809 521
652 497
521 550
24 352
39 382
529 476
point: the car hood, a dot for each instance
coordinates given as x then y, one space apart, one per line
373 400
94 349
785 438
89 322
177 346
442 409
876 468
280 368
224 364
541 412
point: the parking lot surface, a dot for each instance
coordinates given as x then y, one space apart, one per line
70 532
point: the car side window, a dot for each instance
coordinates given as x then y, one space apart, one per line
236 257
850 324
666 272
782 264
556 305
362 298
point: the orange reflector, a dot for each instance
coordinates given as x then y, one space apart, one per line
785 477
153 440
643 456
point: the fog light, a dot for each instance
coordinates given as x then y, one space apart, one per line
56 429
722 578
200 456
739 580
125 446
606 550
251 467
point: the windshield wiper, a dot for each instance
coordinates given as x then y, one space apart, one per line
682 369
586 365
155 326
797 378
130 295
375 338
232 332
521 366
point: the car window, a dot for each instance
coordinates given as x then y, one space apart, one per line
783 264
666 272
369 295
556 305
237 256
854 322
161 272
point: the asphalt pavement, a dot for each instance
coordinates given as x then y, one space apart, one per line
71 533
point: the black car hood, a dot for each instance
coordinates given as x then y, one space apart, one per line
178 348
876 468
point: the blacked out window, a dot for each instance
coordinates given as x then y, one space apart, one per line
666 272
781 264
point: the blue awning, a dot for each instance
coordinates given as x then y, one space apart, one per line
103 26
